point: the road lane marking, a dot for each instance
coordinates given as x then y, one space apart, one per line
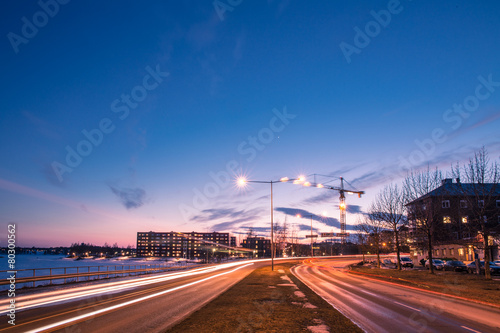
112 287
470 329
409 307
369 293
94 313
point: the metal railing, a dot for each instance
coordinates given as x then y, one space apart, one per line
60 275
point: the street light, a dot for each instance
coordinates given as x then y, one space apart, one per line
242 182
312 250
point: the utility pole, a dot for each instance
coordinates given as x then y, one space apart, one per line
312 250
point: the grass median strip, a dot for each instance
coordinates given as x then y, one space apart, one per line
463 285
267 301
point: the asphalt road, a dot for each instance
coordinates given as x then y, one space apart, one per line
380 307
146 304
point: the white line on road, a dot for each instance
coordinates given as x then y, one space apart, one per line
67 321
409 307
470 329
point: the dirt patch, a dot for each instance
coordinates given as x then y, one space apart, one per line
252 306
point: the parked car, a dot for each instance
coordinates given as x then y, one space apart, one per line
406 262
455 265
494 269
388 263
436 263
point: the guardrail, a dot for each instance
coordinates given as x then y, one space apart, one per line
62 275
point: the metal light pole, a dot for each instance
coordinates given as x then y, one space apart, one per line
242 182
312 250
272 229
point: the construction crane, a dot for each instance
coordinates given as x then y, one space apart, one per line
342 205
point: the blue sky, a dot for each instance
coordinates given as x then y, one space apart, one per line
184 94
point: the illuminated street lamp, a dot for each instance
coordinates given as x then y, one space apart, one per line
242 182
312 250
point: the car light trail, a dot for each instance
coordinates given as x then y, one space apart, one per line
94 313
65 295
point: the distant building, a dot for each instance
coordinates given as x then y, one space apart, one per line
454 208
260 245
189 245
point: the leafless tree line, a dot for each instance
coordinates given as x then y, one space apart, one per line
389 210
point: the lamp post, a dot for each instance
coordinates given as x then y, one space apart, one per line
241 183
311 216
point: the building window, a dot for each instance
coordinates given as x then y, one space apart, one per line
461 251
445 204
446 219
465 219
444 252
463 204
452 252
480 203
485 219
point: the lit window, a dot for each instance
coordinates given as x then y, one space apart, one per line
460 251
465 219
445 204
463 204
446 219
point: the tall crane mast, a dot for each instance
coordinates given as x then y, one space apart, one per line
342 205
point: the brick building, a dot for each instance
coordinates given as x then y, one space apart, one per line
189 245
260 245
459 213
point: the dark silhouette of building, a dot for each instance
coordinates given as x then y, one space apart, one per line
261 246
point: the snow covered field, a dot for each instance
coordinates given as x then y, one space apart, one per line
30 261
41 263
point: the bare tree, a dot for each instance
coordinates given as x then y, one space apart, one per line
281 231
388 207
480 191
361 238
420 209
373 228
250 232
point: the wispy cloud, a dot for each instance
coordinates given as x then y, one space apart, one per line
354 209
328 221
326 196
212 214
130 197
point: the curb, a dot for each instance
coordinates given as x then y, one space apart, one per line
365 276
